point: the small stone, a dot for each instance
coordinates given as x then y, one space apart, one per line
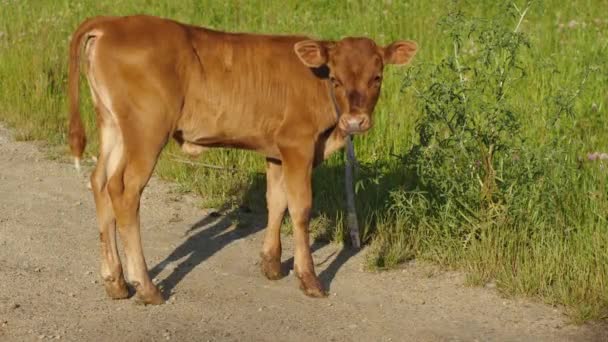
260 309
41 337
175 218
167 334
15 306
330 304
94 281
71 294
37 269
57 337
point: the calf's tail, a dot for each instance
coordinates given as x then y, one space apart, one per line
76 134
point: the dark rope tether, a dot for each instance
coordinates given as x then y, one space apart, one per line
351 211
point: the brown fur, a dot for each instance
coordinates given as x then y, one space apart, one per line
152 79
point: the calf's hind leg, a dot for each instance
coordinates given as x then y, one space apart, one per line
125 187
111 268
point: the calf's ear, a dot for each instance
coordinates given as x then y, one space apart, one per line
400 52
312 53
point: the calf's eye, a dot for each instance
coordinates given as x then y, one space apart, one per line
376 81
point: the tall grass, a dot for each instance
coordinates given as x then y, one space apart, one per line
530 215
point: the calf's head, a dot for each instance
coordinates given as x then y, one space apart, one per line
355 71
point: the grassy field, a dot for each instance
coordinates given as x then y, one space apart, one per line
479 155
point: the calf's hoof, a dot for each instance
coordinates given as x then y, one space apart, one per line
150 295
116 288
271 267
311 286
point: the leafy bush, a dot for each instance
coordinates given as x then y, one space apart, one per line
484 194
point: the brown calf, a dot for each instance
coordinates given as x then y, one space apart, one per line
152 79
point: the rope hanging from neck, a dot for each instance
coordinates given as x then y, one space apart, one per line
351 210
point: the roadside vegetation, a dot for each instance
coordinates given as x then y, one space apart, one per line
483 154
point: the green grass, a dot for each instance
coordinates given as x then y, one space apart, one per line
546 238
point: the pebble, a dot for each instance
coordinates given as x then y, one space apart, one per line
41 337
15 306
37 269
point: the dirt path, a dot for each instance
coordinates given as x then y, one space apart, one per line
50 289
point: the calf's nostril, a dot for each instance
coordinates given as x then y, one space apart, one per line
362 122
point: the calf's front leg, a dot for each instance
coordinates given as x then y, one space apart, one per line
277 203
297 174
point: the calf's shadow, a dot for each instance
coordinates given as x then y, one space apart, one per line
217 229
